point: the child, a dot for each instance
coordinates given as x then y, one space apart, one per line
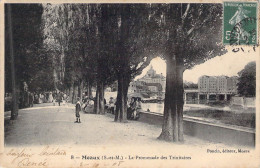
78 109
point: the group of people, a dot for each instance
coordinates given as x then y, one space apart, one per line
43 97
134 106
111 105
60 98
50 97
87 102
30 98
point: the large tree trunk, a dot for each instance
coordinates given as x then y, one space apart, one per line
99 107
123 112
89 89
172 129
14 109
180 101
101 99
118 101
121 106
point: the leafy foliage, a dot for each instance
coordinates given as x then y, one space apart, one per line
189 31
31 59
247 80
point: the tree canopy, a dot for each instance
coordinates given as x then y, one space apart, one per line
31 59
247 80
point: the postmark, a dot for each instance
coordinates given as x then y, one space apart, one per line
240 23
243 32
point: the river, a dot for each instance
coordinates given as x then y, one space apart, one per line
153 107
158 107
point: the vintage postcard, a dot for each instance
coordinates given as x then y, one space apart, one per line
100 84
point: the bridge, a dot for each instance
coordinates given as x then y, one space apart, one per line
196 95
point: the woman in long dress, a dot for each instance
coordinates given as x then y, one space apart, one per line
40 98
50 97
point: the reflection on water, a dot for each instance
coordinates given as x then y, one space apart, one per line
153 107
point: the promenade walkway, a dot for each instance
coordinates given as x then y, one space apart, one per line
52 128
46 124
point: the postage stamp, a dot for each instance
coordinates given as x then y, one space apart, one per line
240 23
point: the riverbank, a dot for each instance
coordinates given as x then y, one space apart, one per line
225 115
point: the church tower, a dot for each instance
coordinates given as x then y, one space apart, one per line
151 72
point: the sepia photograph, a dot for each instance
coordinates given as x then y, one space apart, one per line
122 84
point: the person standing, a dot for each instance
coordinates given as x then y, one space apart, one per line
35 98
31 99
59 98
25 95
111 105
68 99
64 99
50 97
138 108
40 98
78 109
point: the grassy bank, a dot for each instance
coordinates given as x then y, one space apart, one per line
226 117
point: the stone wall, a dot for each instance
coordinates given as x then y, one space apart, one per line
246 102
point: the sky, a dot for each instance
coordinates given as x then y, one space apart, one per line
229 64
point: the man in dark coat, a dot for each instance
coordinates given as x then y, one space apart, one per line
59 97
31 99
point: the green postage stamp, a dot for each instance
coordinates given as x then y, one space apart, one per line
240 23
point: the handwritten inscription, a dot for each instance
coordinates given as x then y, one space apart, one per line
98 165
26 162
26 158
19 154
47 151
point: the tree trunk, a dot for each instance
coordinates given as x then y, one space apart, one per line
101 99
172 129
180 101
89 90
80 89
118 101
97 100
14 109
73 94
99 107
70 93
121 106
123 112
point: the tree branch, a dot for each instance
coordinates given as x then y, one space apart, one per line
197 26
185 13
